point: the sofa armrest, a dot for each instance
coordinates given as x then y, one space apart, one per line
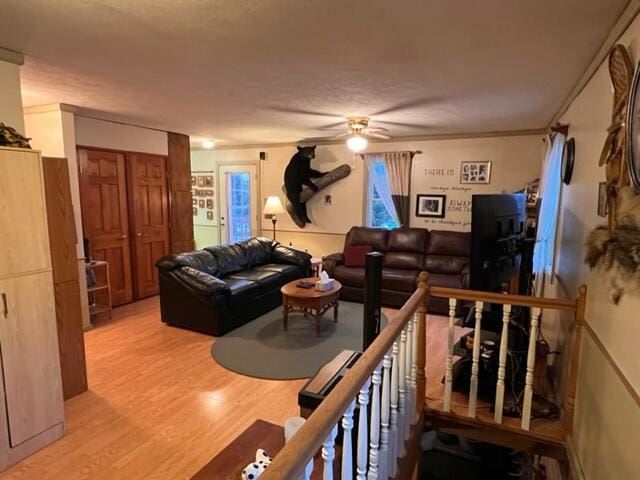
330 262
282 254
202 283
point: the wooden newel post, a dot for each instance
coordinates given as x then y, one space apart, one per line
421 359
570 393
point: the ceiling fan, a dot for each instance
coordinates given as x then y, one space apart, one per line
357 130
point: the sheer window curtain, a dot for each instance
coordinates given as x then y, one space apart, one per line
378 174
549 207
399 172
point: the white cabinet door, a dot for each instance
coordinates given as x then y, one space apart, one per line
24 241
30 361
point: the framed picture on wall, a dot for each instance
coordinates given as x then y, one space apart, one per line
201 203
210 203
430 206
200 181
208 181
194 201
475 173
195 211
194 181
209 215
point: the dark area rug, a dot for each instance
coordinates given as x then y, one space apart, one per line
262 349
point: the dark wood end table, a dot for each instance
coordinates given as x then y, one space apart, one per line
309 301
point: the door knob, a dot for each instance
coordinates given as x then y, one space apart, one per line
139 235
124 237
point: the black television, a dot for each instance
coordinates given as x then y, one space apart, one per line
497 230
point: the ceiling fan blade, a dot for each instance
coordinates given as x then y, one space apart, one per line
376 129
405 125
333 126
300 111
421 102
377 135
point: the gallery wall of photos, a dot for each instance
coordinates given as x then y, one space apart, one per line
203 192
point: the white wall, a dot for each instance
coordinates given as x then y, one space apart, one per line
607 416
516 160
11 96
205 235
91 132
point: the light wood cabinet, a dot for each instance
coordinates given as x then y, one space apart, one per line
31 405
23 236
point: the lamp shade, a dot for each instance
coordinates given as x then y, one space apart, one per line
273 206
357 143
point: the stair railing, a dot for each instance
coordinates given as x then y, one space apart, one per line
536 305
388 381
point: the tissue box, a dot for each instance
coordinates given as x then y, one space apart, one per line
323 285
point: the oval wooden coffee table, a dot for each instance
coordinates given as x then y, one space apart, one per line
309 301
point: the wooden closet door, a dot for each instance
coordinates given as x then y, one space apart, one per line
148 211
105 220
33 387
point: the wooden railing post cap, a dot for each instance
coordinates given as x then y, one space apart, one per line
422 279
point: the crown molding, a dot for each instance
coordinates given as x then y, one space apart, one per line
411 138
621 25
11 56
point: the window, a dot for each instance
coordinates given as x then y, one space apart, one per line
377 214
544 251
239 206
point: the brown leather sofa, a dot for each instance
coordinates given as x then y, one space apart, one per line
407 252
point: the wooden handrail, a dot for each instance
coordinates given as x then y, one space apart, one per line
296 453
489 297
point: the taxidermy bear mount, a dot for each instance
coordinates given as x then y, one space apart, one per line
301 182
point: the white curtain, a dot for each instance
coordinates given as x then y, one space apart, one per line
550 204
378 173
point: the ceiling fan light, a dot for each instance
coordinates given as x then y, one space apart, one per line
357 143
208 144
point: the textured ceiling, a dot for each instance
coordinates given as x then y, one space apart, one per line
246 71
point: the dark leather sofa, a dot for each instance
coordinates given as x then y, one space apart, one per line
220 288
407 252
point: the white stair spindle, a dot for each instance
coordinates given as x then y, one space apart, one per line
374 430
402 394
347 442
531 361
329 453
408 417
414 369
393 434
448 375
363 433
384 415
502 361
475 363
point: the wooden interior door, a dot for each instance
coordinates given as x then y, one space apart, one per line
103 196
33 387
149 218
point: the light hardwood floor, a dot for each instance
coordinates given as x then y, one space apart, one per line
158 406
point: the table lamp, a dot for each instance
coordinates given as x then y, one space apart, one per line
273 206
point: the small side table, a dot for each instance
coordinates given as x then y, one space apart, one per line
316 266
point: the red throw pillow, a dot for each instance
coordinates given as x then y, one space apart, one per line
354 255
